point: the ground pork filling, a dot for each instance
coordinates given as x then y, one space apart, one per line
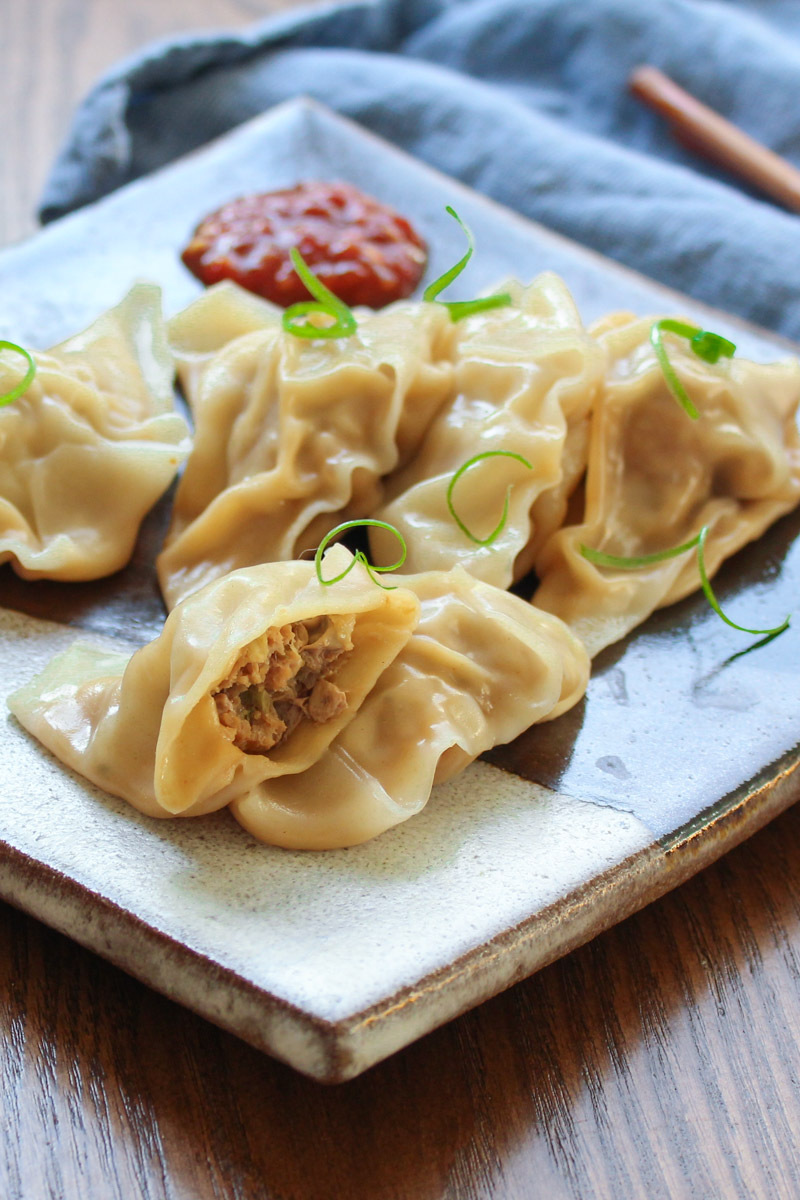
283 678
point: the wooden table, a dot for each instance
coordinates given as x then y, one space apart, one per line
661 1060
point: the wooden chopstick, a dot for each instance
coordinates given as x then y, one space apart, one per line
707 133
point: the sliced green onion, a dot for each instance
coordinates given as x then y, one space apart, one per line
711 346
433 289
487 541
705 344
27 379
359 555
325 303
712 599
459 309
629 564
601 559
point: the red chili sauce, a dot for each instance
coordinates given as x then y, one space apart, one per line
362 250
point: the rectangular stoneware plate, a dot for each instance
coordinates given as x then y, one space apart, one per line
331 961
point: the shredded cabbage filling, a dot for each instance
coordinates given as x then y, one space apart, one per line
283 678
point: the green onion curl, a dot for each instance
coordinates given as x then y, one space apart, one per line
708 346
27 379
487 541
359 555
629 564
712 599
459 309
325 302
601 559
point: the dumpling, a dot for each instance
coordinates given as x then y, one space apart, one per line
481 666
655 478
293 435
525 380
90 446
250 679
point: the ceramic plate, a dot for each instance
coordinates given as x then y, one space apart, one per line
331 961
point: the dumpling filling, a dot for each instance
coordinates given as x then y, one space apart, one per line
282 678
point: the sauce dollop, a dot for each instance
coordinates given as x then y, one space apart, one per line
364 251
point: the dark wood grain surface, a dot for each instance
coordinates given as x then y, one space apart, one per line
662 1060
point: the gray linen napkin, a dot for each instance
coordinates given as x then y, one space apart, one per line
524 100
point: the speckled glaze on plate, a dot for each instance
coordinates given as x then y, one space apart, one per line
331 961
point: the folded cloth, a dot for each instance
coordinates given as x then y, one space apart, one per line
525 100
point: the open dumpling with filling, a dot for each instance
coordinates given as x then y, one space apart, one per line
293 434
481 666
525 379
655 477
249 679
90 446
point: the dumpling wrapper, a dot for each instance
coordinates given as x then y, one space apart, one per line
481 666
90 446
146 728
525 379
655 478
293 435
